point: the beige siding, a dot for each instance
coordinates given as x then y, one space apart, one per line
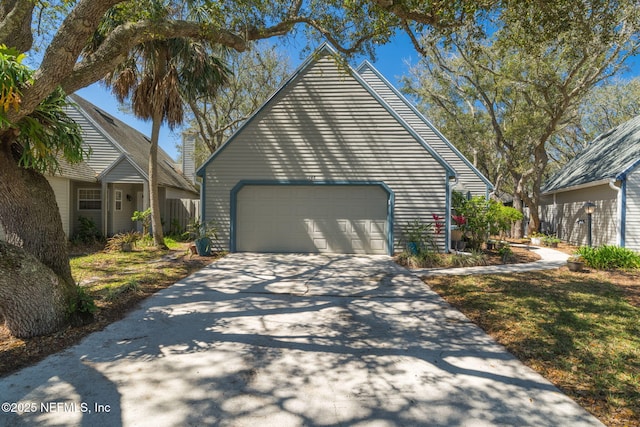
632 232
567 215
468 179
324 126
61 187
177 193
103 153
124 171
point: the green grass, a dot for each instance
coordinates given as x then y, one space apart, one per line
578 331
108 276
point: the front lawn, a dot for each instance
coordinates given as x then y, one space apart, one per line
117 281
579 330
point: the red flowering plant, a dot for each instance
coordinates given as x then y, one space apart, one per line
460 220
438 224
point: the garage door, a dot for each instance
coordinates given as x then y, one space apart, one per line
312 218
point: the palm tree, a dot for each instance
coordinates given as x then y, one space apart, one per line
158 78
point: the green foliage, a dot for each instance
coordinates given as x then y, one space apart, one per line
419 234
506 254
82 304
45 135
198 230
88 231
145 218
609 257
482 218
550 240
472 259
422 259
120 241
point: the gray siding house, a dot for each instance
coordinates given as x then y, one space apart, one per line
337 160
606 173
113 182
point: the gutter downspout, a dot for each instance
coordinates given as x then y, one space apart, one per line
622 202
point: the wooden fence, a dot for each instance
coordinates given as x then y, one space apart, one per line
179 213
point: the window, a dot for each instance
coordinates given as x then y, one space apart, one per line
89 199
117 198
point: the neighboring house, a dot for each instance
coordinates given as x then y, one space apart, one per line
337 160
113 182
606 173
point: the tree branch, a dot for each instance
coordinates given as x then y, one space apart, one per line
15 24
120 41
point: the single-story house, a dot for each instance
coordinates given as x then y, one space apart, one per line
336 160
606 173
113 181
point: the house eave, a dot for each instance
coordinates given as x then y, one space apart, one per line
603 181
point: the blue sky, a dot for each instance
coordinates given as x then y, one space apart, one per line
390 61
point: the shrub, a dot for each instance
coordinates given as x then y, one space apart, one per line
88 231
609 257
120 240
143 217
473 259
506 254
424 259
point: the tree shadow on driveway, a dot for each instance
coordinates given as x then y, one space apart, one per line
293 340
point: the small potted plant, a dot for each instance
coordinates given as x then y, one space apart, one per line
551 241
536 238
203 235
575 262
415 233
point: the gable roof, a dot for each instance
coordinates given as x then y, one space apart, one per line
326 50
417 120
131 145
612 155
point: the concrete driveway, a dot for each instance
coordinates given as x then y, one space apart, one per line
289 340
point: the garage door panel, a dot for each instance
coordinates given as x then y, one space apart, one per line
329 218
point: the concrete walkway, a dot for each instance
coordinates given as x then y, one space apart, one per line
549 259
289 340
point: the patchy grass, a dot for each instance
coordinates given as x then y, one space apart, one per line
579 330
117 281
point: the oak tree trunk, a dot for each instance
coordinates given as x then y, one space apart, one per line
30 220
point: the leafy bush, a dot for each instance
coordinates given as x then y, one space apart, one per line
478 218
82 307
550 240
609 257
506 254
143 217
88 231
